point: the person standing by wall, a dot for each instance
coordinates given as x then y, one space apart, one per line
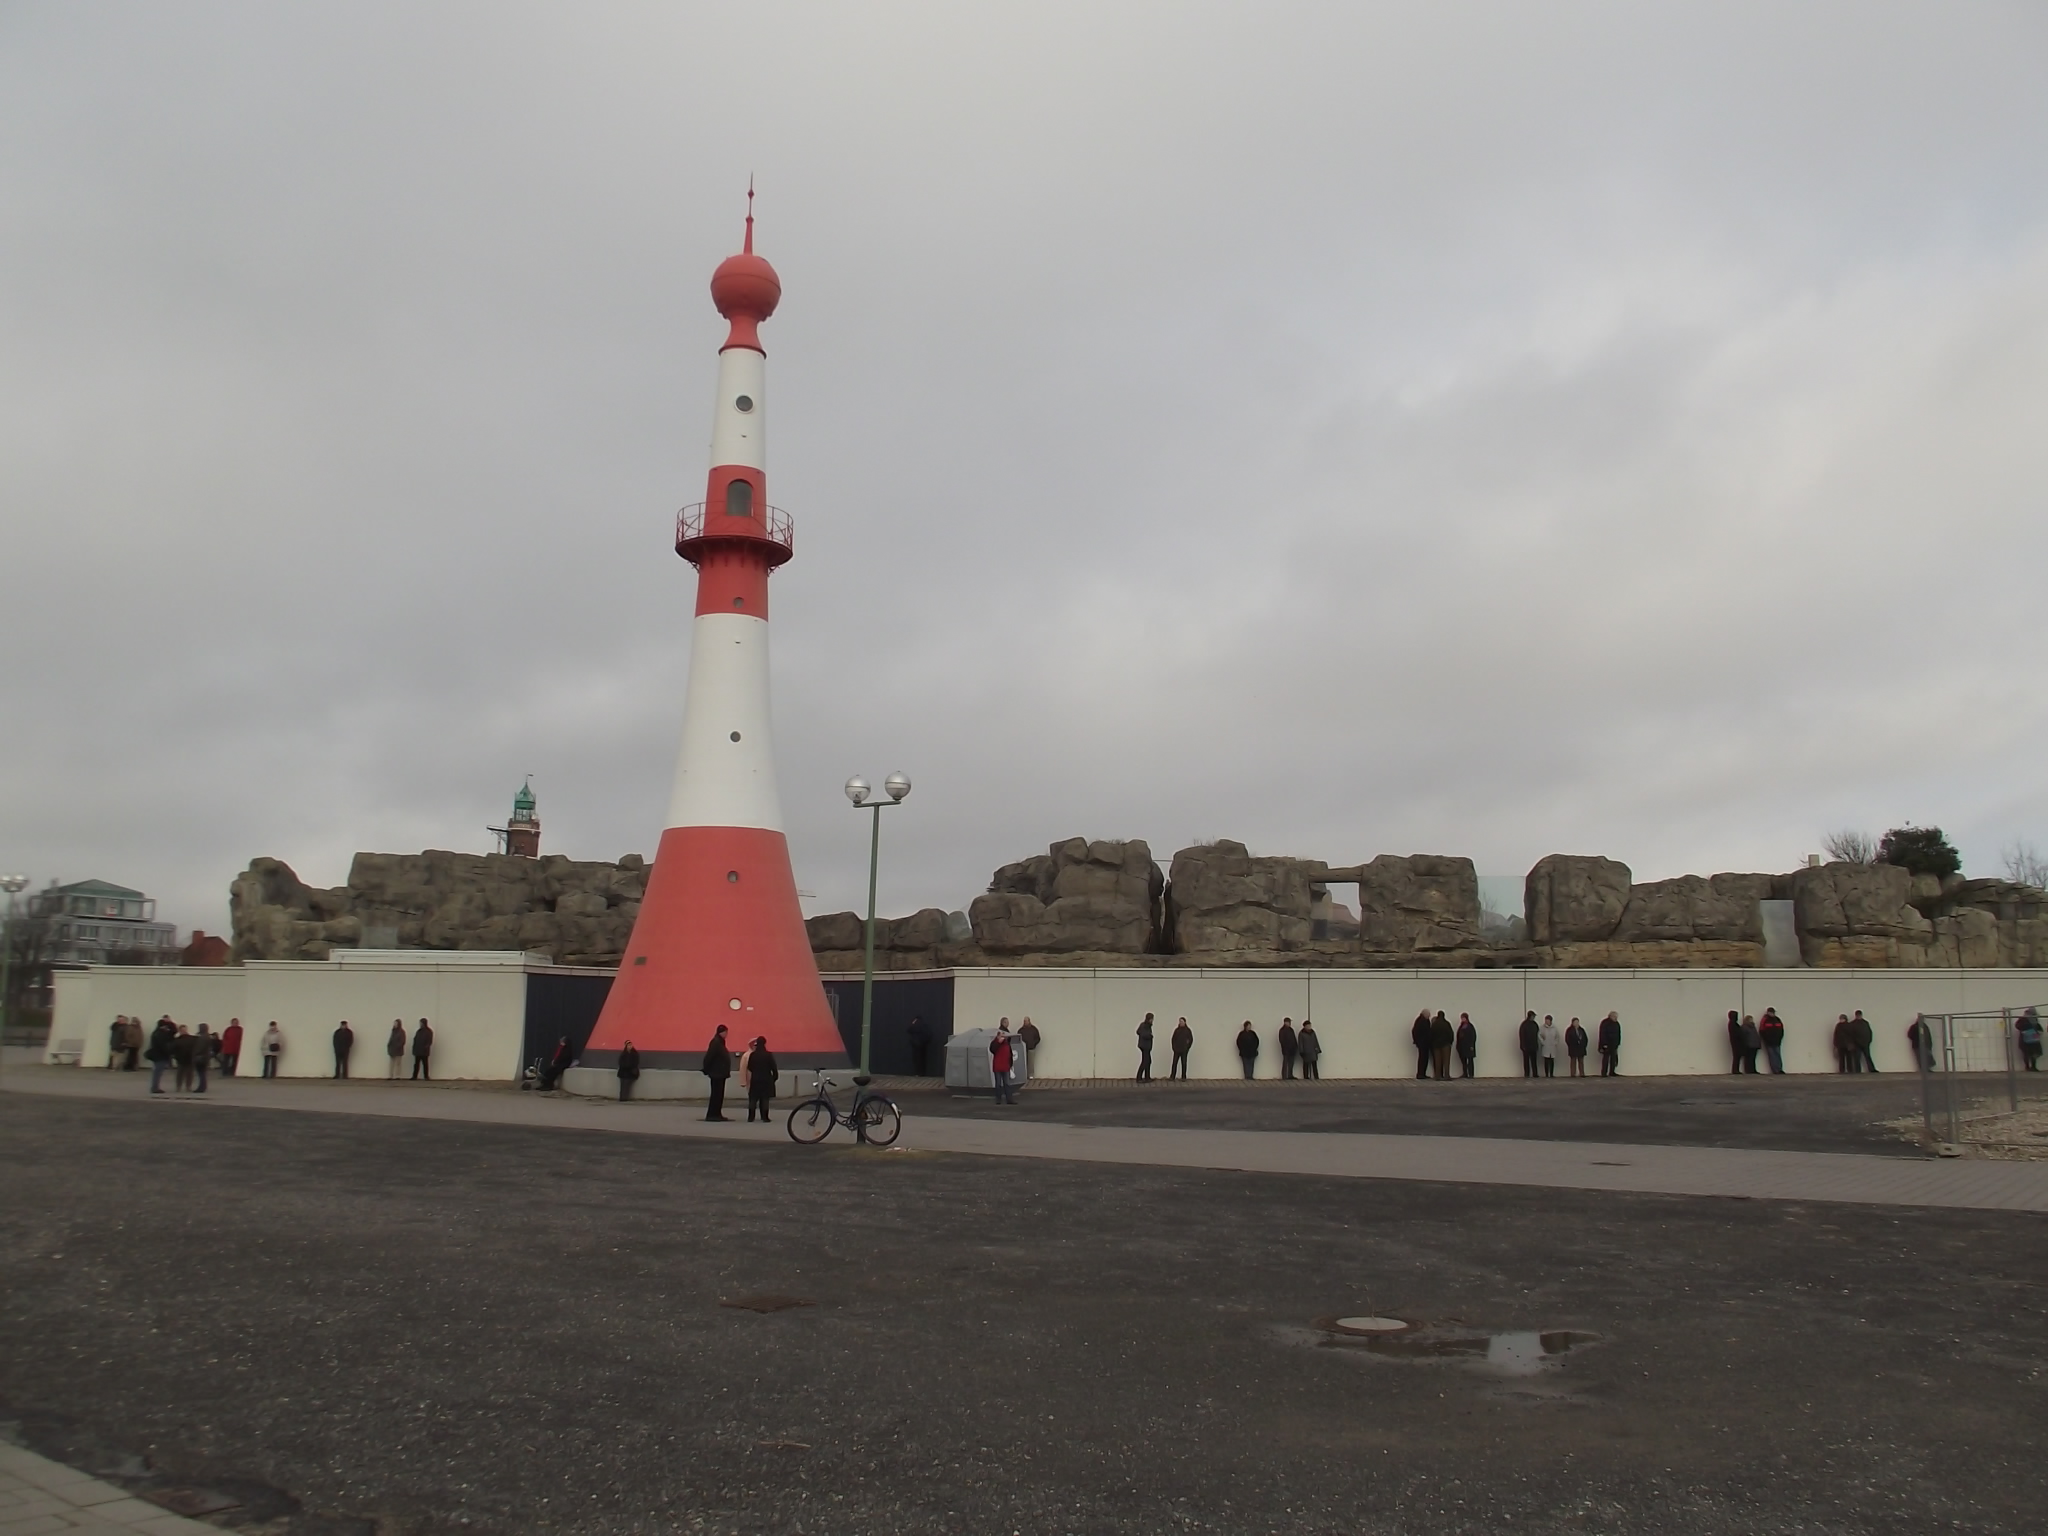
1290 1047
1734 1042
423 1052
133 1043
2027 1031
344 1046
231 1048
273 1048
1771 1030
1441 1038
1530 1038
920 1040
181 1058
1311 1047
1248 1049
1862 1036
761 1075
1468 1046
629 1070
1418 1033
562 1060
203 1045
1183 1041
1610 1044
1575 1047
1550 1045
717 1066
394 1048
159 1052
117 1036
1028 1037
1002 1055
1844 1049
1145 1049
1752 1042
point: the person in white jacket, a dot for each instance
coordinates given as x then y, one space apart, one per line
1549 1045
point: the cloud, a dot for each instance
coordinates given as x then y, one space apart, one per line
1405 429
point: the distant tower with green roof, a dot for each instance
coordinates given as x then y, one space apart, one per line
520 836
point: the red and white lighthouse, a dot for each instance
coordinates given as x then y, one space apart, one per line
720 939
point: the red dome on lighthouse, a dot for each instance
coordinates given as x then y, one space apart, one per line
746 289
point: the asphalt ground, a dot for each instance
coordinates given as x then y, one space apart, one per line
360 1325
1792 1113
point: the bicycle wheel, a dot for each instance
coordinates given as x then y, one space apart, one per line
880 1124
811 1121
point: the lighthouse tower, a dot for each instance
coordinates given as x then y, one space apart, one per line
720 939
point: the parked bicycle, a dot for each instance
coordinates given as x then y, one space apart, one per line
873 1119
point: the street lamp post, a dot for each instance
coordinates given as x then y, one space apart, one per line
13 885
859 791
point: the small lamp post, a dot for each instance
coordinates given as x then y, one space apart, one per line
860 792
13 885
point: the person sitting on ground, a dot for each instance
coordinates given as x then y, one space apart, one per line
1468 1046
1575 1047
1550 1045
1309 1043
1441 1038
1530 1038
1248 1049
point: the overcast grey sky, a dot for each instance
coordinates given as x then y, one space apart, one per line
1482 429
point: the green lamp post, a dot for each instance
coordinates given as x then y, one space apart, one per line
859 791
13 885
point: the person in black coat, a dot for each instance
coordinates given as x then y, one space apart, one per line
629 1070
1734 1042
1183 1041
761 1075
423 1052
159 1052
1530 1037
344 1044
1441 1038
1575 1047
1418 1034
718 1067
920 1038
1145 1049
1609 1041
1468 1046
1862 1037
1290 1047
1248 1048
563 1058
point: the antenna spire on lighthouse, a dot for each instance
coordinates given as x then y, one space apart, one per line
719 939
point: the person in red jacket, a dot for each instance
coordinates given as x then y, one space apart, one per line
1002 1055
230 1047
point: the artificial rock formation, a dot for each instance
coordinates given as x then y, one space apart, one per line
577 913
1076 898
1224 903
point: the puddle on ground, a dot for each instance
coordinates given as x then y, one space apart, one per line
1518 1352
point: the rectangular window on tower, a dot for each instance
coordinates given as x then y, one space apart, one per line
739 498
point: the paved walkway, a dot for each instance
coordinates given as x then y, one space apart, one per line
1661 1170
38 1495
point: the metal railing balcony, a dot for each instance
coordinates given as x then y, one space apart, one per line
769 524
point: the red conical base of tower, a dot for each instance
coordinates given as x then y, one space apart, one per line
719 940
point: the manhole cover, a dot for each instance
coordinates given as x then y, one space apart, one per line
765 1303
191 1501
1370 1324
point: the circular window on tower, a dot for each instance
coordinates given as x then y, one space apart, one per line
735 735
744 403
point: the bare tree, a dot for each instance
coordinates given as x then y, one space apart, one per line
2024 863
1851 847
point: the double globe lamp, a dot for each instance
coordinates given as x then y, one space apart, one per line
861 793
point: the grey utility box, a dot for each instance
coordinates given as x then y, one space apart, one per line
967 1064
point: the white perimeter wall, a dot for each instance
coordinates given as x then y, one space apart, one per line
1672 1021
478 1009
